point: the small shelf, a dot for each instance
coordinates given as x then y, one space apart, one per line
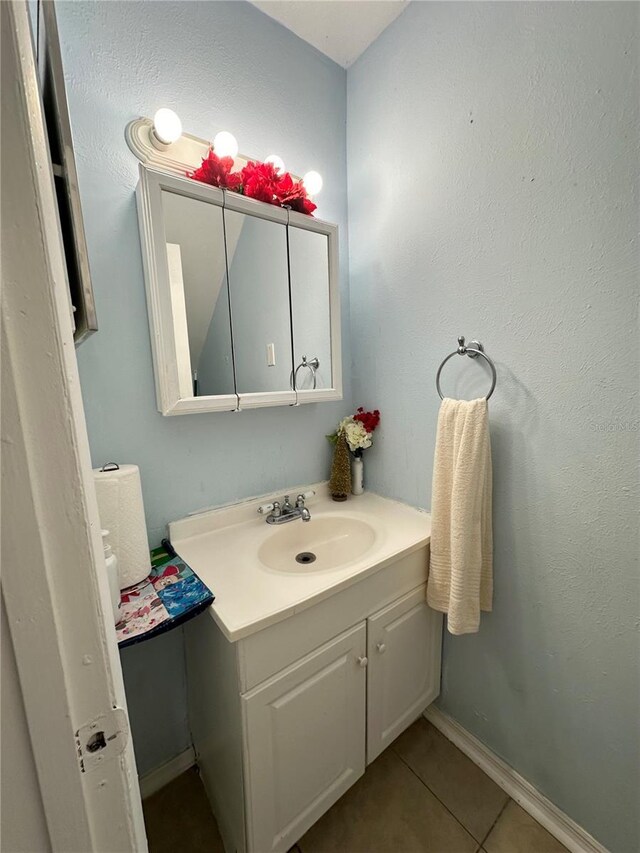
170 596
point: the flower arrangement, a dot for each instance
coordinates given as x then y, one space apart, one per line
357 430
353 435
261 181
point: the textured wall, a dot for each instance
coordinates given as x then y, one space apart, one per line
492 149
220 65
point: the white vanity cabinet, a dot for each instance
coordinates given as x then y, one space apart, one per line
305 739
286 719
403 650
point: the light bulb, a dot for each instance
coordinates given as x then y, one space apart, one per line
312 182
225 144
167 126
277 162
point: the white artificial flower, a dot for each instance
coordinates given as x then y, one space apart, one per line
356 435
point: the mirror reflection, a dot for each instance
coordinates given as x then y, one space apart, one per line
259 291
309 259
194 236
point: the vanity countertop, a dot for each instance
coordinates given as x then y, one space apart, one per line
234 551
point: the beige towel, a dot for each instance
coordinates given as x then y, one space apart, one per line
461 568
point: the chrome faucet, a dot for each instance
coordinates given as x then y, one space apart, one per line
282 514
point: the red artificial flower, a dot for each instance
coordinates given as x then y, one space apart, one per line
256 180
292 194
217 172
369 420
260 181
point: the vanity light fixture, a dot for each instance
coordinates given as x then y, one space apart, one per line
161 144
277 162
312 182
167 128
225 144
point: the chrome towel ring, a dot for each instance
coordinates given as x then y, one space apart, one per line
476 349
313 365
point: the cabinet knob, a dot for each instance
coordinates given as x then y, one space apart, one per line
363 661
381 647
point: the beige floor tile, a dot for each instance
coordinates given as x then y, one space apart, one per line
179 818
517 832
460 784
387 811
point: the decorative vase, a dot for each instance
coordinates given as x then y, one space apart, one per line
357 475
339 482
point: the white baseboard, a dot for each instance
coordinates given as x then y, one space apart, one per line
568 832
167 772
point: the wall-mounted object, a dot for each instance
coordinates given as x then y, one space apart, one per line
121 511
181 152
476 349
277 162
225 144
237 292
65 177
312 182
167 129
162 143
312 366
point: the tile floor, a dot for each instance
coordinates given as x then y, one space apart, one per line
422 795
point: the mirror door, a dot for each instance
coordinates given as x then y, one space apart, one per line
315 303
260 308
309 263
195 247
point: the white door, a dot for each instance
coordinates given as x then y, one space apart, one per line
305 741
54 583
403 646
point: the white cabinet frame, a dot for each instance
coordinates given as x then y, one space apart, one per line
170 356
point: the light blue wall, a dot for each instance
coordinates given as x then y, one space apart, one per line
221 66
491 149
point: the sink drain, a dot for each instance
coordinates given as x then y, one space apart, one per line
305 557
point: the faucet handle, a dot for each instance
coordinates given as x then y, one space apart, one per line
300 501
276 512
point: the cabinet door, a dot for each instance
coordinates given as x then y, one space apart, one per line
304 741
403 646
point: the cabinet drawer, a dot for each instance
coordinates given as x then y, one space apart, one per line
403 646
304 741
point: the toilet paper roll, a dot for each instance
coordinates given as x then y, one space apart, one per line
121 512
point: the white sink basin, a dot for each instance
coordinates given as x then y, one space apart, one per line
327 542
251 566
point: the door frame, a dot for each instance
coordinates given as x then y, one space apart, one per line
54 581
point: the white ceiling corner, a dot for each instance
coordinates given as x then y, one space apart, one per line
341 29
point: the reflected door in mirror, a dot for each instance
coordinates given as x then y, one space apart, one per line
194 234
309 259
259 292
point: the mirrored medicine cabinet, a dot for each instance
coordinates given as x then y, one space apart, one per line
243 299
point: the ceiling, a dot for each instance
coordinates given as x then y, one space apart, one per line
341 29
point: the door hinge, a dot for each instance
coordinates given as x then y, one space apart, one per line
103 739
